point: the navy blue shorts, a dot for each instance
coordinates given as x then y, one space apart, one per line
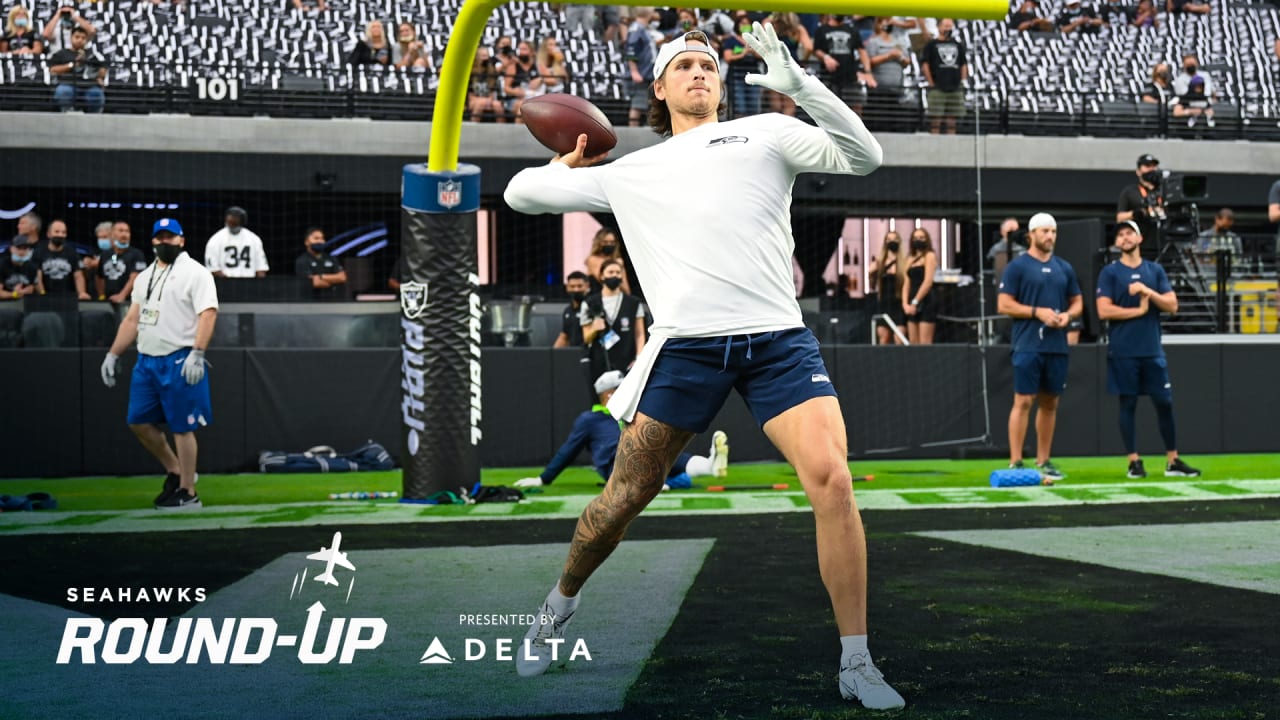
1138 376
772 371
159 394
1034 373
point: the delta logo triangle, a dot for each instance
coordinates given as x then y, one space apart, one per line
435 654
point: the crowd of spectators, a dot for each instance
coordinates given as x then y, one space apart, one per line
885 67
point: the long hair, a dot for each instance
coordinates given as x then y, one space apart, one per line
927 250
882 262
14 12
551 66
598 241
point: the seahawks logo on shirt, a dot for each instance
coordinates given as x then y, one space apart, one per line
727 139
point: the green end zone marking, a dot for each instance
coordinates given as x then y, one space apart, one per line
671 503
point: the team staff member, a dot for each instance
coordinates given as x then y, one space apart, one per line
321 274
175 306
713 248
235 251
1132 293
596 431
1041 293
577 286
612 324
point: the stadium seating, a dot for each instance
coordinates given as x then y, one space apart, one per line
293 63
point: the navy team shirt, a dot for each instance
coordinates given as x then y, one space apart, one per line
1139 337
595 429
1050 285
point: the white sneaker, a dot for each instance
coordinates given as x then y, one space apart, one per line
719 454
860 680
538 657
529 482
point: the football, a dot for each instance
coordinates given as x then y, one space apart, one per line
556 121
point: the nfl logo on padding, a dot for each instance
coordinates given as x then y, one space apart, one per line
449 194
413 299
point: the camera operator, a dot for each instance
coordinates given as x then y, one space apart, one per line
57 32
1143 202
81 74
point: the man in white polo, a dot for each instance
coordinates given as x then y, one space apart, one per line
175 306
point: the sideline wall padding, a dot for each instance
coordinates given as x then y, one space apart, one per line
62 421
297 399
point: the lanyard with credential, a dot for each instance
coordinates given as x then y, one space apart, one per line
152 280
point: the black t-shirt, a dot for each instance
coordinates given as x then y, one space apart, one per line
1070 15
23 41
841 42
1117 13
615 348
1018 18
1133 199
115 268
59 268
85 73
365 54
945 59
571 326
308 265
14 274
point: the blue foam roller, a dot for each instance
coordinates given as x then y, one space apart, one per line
1011 477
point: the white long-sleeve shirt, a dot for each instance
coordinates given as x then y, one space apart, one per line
706 215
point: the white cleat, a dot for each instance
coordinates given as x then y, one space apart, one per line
860 680
535 660
719 454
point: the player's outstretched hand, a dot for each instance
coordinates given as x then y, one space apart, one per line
193 367
784 74
577 158
528 482
110 364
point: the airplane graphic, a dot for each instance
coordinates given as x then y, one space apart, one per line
332 556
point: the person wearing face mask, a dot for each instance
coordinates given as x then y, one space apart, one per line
1143 202
884 282
17 271
612 322
605 247
235 251
520 79
322 276
59 269
174 310
1193 89
1160 90
919 304
102 239
577 288
888 66
119 265
19 37
741 61
945 68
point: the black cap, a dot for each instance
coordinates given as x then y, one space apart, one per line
1147 159
21 241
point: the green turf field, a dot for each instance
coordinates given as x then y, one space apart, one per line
124 493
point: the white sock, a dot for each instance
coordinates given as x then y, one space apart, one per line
853 645
560 604
698 466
